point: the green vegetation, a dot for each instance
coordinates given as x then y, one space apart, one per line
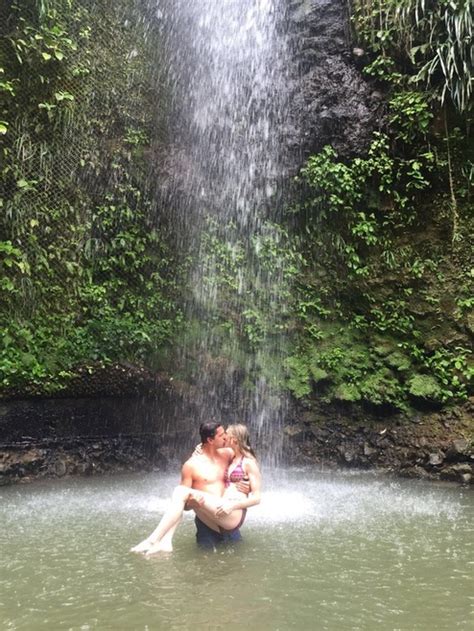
386 237
243 302
421 44
87 275
365 300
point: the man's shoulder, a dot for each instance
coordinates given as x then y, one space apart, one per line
192 461
195 462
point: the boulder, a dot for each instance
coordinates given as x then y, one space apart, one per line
60 468
436 458
296 432
458 473
457 449
369 450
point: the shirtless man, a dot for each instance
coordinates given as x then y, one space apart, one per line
205 471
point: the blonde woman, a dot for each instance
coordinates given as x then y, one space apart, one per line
210 478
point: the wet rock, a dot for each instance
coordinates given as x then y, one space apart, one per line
296 432
348 455
462 472
414 472
412 455
436 459
448 473
376 96
319 433
462 468
70 456
32 457
458 448
332 103
368 450
60 468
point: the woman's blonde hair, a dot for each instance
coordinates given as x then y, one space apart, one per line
241 434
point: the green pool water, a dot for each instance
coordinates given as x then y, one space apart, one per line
323 551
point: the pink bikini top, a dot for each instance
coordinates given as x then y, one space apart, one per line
236 474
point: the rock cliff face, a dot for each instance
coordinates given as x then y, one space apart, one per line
121 418
114 419
331 102
435 446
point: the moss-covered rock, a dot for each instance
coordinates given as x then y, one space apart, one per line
347 392
398 361
318 374
425 389
297 377
380 388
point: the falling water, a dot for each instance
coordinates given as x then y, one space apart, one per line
227 68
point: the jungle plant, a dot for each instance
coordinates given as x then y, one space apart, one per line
87 273
433 41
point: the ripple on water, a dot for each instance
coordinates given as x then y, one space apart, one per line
349 551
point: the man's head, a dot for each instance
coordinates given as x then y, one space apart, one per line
212 434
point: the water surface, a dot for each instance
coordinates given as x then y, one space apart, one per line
323 551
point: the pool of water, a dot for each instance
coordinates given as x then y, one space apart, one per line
323 551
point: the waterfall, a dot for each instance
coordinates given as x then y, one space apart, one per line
226 72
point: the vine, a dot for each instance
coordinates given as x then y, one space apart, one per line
88 274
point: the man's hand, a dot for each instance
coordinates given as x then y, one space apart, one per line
197 450
225 509
244 486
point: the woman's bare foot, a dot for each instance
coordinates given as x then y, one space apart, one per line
160 546
143 546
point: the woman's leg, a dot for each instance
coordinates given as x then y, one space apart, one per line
207 512
165 530
161 538
165 544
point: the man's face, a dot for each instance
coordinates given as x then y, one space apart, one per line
220 438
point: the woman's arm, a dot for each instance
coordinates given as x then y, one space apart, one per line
222 451
227 452
253 498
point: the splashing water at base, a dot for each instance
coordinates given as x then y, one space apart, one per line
320 552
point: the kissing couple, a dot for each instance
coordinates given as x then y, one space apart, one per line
219 482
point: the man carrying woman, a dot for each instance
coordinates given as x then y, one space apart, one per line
209 482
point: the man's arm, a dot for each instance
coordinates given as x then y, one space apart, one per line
227 452
187 475
187 479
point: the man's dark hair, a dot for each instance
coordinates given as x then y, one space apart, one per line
208 430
